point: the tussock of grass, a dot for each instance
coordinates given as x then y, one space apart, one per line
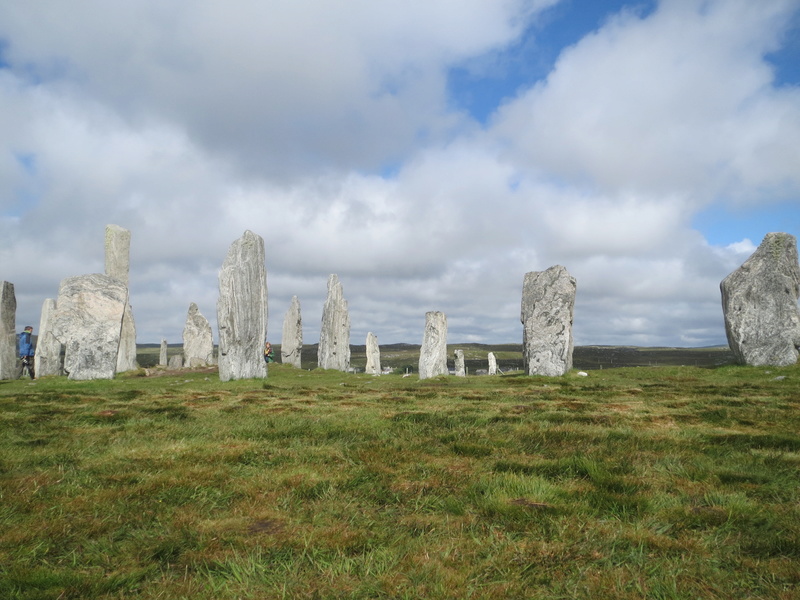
634 483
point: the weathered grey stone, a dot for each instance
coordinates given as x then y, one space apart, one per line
373 355
175 361
117 265
334 335
492 364
8 331
88 321
198 343
548 302
759 304
292 340
162 354
460 369
242 310
48 359
433 354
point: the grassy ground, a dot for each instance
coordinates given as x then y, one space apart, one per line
669 482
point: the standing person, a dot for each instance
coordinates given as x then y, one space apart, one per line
268 354
26 350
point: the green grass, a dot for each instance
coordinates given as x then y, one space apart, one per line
669 482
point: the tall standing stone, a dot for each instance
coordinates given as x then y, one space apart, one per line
759 303
548 302
198 344
492 364
242 310
373 355
292 339
48 359
334 335
433 354
117 265
88 322
162 354
8 331
460 369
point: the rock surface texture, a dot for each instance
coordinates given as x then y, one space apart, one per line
292 335
48 359
117 265
460 370
88 321
334 335
433 354
242 310
198 343
8 331
492 364
548 302
373 355
759 304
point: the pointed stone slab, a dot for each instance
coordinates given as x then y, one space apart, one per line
548 302
759 304
48 359
8 331
492 364
117 265
198 344
292 339
334 335
242 310
433 353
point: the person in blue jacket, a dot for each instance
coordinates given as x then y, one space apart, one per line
26 350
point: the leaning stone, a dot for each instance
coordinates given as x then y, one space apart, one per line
461 370
242 310
8 331
88 320
759 304
48 359
198 344
334 336
373 355
175 361
492 364
433 354
292 340
162 354
548 301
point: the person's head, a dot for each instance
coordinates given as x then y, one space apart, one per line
28 329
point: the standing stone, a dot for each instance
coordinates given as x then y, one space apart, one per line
48 359
334 336
8 331
548 302
175 361
198 344
461 370
117 265
162 355
373 355
292 341
492 364
433 354
242 310
759 303
88 321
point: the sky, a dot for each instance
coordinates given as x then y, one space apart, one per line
429 152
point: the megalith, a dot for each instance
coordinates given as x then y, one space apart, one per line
433 354
759 304
8 331
373 355
492 364
198 344
162 354
48 359
175 362
292 335
117 265
334 335
242 310
460 369
548 302
88 322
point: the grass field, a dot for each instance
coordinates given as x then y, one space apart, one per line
664 482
